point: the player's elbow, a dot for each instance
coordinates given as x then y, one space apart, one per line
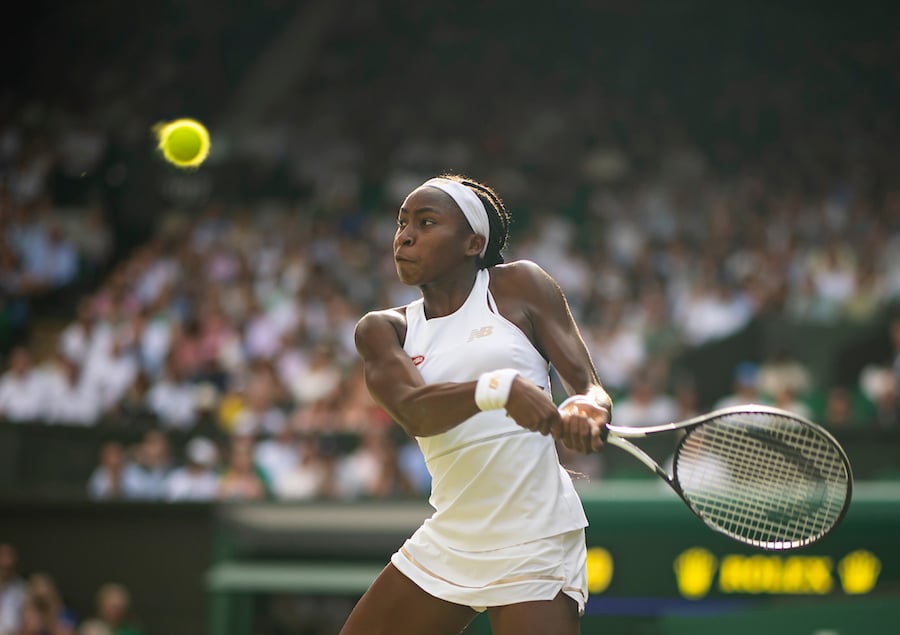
415 417
413 422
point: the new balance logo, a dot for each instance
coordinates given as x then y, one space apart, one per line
484 331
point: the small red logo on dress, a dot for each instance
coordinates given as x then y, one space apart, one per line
417 359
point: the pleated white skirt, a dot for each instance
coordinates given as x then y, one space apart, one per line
536 570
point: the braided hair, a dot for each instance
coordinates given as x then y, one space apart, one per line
498 219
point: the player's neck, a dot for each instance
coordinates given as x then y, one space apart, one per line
446 296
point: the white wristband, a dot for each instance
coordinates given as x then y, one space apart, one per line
492 390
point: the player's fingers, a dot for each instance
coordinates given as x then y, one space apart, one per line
599 413
588 437
578 433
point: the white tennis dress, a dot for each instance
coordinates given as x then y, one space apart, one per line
508 525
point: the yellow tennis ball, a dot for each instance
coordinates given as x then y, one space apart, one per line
183 142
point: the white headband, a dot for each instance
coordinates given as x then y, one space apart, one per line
468 201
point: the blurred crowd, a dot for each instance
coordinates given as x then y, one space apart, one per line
35 605
670 222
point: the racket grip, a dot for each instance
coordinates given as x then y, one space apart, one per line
604 431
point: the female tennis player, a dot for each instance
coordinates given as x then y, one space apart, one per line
465 370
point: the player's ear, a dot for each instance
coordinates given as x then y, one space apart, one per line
475 244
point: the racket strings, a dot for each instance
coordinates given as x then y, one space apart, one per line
764 479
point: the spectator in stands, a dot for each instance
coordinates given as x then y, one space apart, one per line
150 338
309 475
880 386
371 470
52 260
153 463
191 353
134 406
646 404
839 410
785 398
69 400
55 618
745 389
93 237
262 336
116 476
880 380
619 339
833 273
353 403
277 452
662 339
260 412
110 375
868 294
310 376
172 398
21 389
85 334
198 478
94 626
13 590
242 479
31 620
711 310
783 371
114 610
685 396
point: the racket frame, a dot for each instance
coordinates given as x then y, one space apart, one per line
619 436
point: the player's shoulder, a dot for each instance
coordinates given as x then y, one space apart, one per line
393 315
521 276
381 322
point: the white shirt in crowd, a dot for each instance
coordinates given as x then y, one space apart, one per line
110 376
192 484
659 410
304 482
276 456
100 484
174 403
68 402
12 598
22 396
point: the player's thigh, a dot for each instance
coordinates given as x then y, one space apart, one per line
395 605
549 617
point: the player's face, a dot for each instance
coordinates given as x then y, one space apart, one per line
433 237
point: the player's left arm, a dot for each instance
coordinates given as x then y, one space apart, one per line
557 336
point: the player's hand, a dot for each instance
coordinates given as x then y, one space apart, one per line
582 422
529 406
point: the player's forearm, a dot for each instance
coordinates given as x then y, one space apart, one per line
435 408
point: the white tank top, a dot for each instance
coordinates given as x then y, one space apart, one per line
494 483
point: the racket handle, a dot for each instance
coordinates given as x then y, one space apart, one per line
604 431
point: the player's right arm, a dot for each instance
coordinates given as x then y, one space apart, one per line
394 382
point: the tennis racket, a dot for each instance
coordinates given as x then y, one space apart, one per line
760 475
